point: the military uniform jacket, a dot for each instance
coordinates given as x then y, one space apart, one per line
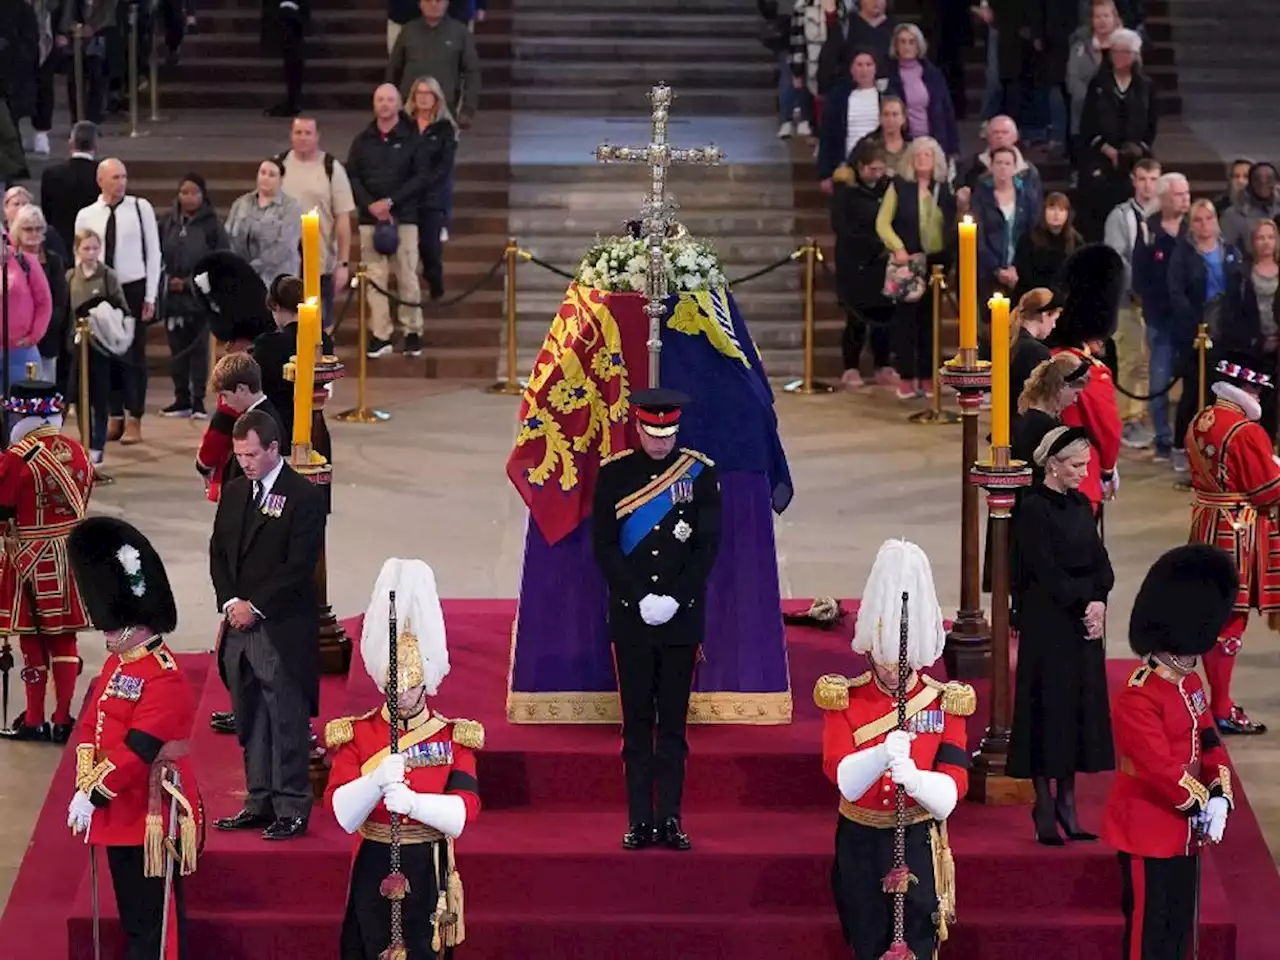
143 707
1237 484
45 482
859 713
656 525
440 757
1097 414
1171 761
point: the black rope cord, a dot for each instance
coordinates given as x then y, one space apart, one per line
440 304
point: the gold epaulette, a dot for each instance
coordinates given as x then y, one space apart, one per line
958 699
843 174
341 730
165 658
616 456
698 456
831 692
468 733
1139 676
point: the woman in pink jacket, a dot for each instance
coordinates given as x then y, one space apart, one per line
30 308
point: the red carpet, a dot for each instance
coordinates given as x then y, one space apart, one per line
546 878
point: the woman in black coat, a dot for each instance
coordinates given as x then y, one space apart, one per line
859 186
1117 128
1044 248
437 144
1061 718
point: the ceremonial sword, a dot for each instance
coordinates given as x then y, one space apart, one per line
97 911
170 855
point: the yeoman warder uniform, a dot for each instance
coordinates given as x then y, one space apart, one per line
869 758
430 782
656 523
1237 494
45 482
136 792
1172 793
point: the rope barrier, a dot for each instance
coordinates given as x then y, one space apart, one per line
440 304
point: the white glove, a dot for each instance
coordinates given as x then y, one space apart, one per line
934 791
354 801
905 773
446 813
201 281
1214 819
79 813
389 771
897 745
664 610
649 609
858 771
399 799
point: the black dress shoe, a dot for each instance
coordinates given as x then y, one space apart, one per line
245 820
285 828
1238 723
640 835
672 837
20 731
62 732
222 721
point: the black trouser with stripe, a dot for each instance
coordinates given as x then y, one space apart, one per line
140 901
1158 899
863 856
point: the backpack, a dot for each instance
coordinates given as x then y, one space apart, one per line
328 164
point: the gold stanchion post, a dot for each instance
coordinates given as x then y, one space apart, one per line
84 415
1203 346
807 385
134 132
362 412
510 386
77 67
935 413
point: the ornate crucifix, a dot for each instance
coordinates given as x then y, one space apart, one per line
657 207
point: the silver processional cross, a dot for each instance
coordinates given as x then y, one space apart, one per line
657 208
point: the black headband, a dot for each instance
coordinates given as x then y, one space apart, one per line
1066 438
1079 373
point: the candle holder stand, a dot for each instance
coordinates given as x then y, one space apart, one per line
968 646
989 781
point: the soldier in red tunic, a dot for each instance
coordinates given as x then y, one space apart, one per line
868 757
430 783
136 792
1094 282
1172 793
1237 486
45 482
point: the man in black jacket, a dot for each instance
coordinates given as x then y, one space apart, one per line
267 538
386 180
68 187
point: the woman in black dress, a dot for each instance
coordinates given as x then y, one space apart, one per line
1033 320
1061 717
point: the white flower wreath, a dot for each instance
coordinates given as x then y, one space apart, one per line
620 264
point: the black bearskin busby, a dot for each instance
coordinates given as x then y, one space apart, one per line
1184 602
120 576
233 295
1090 294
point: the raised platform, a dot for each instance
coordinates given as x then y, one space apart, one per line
545 874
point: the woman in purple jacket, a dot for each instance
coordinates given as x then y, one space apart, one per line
922 88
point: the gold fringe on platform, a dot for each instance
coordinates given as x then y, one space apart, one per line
153 846
756 709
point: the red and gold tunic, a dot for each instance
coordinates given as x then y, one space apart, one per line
1237 487
45 482
143 708
859 714
1170 762
1096 412
215 449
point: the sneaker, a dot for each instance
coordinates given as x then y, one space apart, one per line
40 144
182 410
1180 461
926 390
887 377
378 347
905 391
1161 454
199 413
95 457
1136 435
413 345
444 234
803 129
784 131
852 380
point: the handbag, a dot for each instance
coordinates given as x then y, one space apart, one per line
906 283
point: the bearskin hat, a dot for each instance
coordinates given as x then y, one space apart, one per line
233 295
1090 293
120 576
1184 602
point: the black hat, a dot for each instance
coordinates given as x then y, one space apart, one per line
34 398
120 576
1093 284
1184 602
1243 369
657 410
235 299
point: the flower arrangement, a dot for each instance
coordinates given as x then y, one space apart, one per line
620 265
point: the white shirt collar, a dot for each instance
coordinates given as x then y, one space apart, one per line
269 481
254 406
81 155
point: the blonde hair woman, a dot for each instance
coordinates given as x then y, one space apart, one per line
1260 301
438 143
917 218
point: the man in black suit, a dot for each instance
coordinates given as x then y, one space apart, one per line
656 523
68 187
267 538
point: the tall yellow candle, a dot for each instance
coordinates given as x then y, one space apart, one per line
311 255
968 284
999 305
305 371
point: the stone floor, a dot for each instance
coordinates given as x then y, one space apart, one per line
424 486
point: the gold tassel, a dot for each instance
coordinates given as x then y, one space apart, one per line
442 905
153 846
944 873
457 931
187 837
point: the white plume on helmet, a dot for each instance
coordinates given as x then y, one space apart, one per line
900 567
417 611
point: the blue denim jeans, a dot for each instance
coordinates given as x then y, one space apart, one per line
1160 348
789 98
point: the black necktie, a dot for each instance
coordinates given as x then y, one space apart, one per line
109 241
259 495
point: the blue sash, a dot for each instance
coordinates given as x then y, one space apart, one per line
641 520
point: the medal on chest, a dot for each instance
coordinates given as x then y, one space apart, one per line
682 531
682 491
926 721
125 687
1198 702
434 754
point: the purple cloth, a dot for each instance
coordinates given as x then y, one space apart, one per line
562 634
917 96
